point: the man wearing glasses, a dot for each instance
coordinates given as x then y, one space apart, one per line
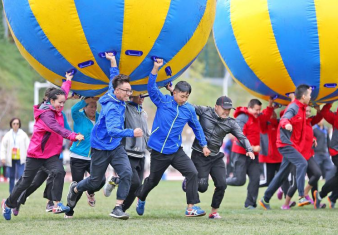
106 142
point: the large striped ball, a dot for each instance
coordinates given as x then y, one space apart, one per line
272 46
56 36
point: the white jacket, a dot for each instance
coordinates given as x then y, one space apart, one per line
7 144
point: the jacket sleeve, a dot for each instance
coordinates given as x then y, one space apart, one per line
66 87
316 119
115 127
197 128
76 114
200 109
264 118
155 94
242 120
113 72
328 115
52 125
238 133
4 144
288 114
65 122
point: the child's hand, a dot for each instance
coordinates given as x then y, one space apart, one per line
69 76
158 63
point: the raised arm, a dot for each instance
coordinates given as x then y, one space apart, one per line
66 85
155 94
316 119
328 115
113 71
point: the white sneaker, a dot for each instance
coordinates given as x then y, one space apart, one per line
110 184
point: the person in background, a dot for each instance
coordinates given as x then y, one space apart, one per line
13 153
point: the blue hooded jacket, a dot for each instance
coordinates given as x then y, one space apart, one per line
83 125
170 119
109 128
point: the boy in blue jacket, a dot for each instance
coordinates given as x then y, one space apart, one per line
173 113
106 139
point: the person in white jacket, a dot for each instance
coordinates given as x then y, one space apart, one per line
13 153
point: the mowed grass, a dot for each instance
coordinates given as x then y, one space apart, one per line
165 215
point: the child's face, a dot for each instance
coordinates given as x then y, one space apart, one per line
58 103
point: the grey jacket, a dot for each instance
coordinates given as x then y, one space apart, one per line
216 128
136 117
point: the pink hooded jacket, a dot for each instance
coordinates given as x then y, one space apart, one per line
49 130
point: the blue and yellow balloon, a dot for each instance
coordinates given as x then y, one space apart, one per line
56 36
272 46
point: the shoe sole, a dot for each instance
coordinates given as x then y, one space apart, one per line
330 205
262 204
49 210
119 217
315 197
70 204
195 215
91 205
304 204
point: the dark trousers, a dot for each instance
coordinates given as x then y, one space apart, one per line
325 164
14 173
159 163
118 159
57 174
39 179
78 168
290 156
246 166
137 166
270 170
213 165
314 173
331 184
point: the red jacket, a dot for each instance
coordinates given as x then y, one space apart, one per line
295 115
307 150
332 118
270 153
250 126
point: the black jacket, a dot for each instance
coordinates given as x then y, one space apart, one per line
216 128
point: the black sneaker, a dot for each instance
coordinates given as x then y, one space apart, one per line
118 213
72 196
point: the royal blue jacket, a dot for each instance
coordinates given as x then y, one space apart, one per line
170 119
109 128
83 125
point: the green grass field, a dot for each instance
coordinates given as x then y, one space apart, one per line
165 215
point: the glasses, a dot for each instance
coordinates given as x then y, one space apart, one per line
129 92
15 123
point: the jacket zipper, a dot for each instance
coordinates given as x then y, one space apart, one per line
154 130
170 129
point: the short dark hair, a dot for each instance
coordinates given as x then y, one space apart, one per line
12 120
183 86
301 90
119 80
254 102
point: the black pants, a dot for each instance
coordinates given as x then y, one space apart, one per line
314 173
33 165
181 162
213 165
270 170
331 184
246 166
137 166
39 179
78 168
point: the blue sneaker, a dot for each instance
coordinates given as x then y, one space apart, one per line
6 211
60 208
140 207
184 185
194 212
